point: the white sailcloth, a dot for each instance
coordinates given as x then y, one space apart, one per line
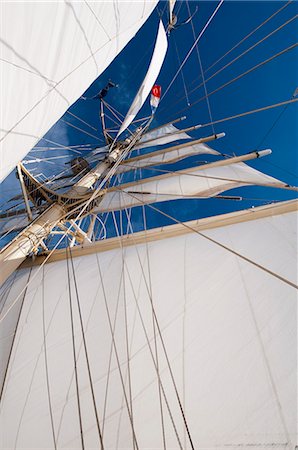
158 57
50 53
229 330
165 156
161 136
196 182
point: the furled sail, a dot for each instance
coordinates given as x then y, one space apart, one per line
161 136
194 182
165 156
159 54
50 53
222 328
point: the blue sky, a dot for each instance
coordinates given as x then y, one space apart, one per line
269 84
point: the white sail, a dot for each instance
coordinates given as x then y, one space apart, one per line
50 53
194 182
159 54
165 156
161 136
229 328
171 9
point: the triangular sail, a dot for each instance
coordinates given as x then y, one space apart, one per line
195 182
43 74
161 136
169 155
159 54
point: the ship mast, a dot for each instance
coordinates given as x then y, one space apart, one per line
29 240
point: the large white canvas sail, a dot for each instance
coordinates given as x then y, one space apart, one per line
50 53
195 182
158 56
228 325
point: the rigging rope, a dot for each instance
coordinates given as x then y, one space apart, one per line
81 120
276 55
239 255
165 353
193 46
202 72
126 329
24 291
46 359
74 354
154 330
116 353
238 57
150 350
86 352
264 108
81 130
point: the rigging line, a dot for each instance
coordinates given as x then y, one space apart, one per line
36 273
50 181
32 376
264 108
114 114
116 352
126 325
11 229
151 352
182 74
181 172
126 328
81 130
165 352
39 74
276 55
6 291
110 173
74 353
193 46
239 56
201 69
67 394
81 120
57 84
265 137
154 333
111 353
14 336
38 148
98 21
272 126
225 247
249 34
46 359
245 52
112 108
265 358
85 349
